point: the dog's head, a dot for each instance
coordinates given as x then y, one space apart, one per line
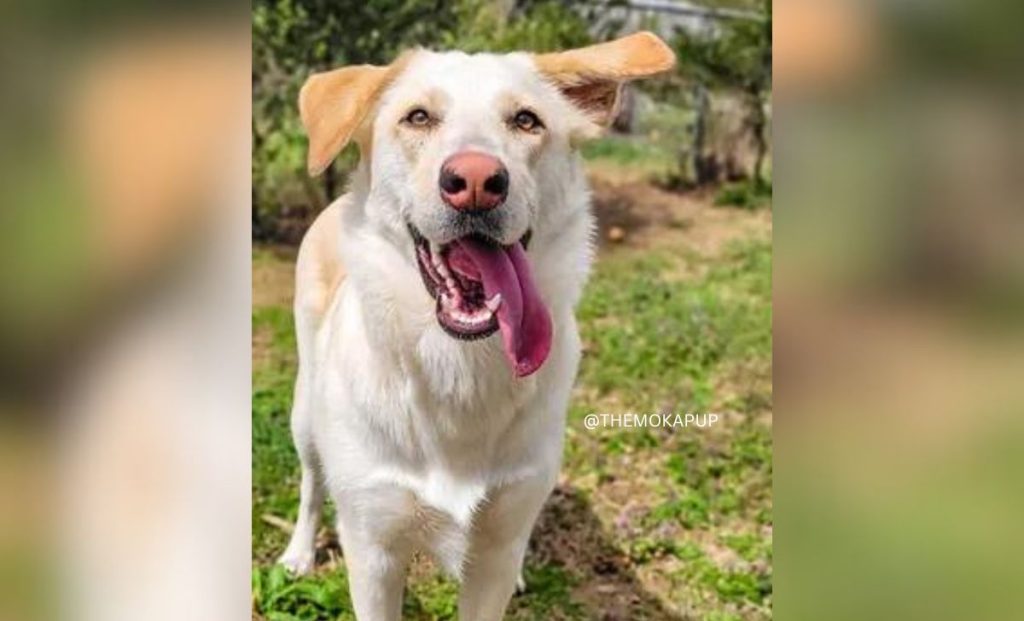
463 150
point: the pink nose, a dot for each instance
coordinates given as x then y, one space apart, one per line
473 181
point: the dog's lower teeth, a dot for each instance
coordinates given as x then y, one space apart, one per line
455 293
474 318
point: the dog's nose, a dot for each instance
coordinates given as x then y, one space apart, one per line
473 181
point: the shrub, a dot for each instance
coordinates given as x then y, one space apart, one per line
745 194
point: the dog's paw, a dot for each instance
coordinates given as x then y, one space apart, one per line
520 584
298 562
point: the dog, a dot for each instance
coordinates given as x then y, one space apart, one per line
434 308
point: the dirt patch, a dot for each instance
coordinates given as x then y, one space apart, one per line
262 347
273 276
569 535
635 213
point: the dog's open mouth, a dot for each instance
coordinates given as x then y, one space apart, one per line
480 287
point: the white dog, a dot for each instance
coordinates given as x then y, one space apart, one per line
434 308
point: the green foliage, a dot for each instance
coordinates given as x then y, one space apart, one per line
275 481
650 338
280 597
750 194
690 510
618 149
737 57
434 599
548 591
537 27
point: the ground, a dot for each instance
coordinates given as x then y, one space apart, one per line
645 523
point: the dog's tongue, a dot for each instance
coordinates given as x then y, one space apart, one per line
524 320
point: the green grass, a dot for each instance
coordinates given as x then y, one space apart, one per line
654 147
282 598
652 522
745 195
653 337
275 475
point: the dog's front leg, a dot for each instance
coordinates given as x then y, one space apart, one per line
372 527
300 555
376 577
500 536
490 580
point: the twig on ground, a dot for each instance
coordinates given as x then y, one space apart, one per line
277 522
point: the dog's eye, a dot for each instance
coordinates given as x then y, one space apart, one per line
526 121
418 118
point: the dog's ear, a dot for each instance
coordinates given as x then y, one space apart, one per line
333 104
591 77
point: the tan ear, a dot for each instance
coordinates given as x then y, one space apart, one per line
333 104
592 76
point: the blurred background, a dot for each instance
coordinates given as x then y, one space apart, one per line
124 302
645 523
898 285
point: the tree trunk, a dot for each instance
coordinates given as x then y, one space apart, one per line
759 126
761 89
703 169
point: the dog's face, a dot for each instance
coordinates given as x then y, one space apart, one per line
462 150
458 140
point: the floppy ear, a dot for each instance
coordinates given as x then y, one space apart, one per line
591 77
333 104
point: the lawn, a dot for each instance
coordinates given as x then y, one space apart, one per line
645 523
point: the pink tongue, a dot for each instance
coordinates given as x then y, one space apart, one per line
524 320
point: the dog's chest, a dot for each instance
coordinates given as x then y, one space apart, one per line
459 449
424 476
448 444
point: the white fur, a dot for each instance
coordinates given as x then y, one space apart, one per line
423 441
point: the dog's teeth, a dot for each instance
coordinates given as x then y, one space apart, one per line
441 267
493 303
439 264
454 292
480 315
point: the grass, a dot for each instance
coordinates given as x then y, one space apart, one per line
652 151
745 194
649 523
